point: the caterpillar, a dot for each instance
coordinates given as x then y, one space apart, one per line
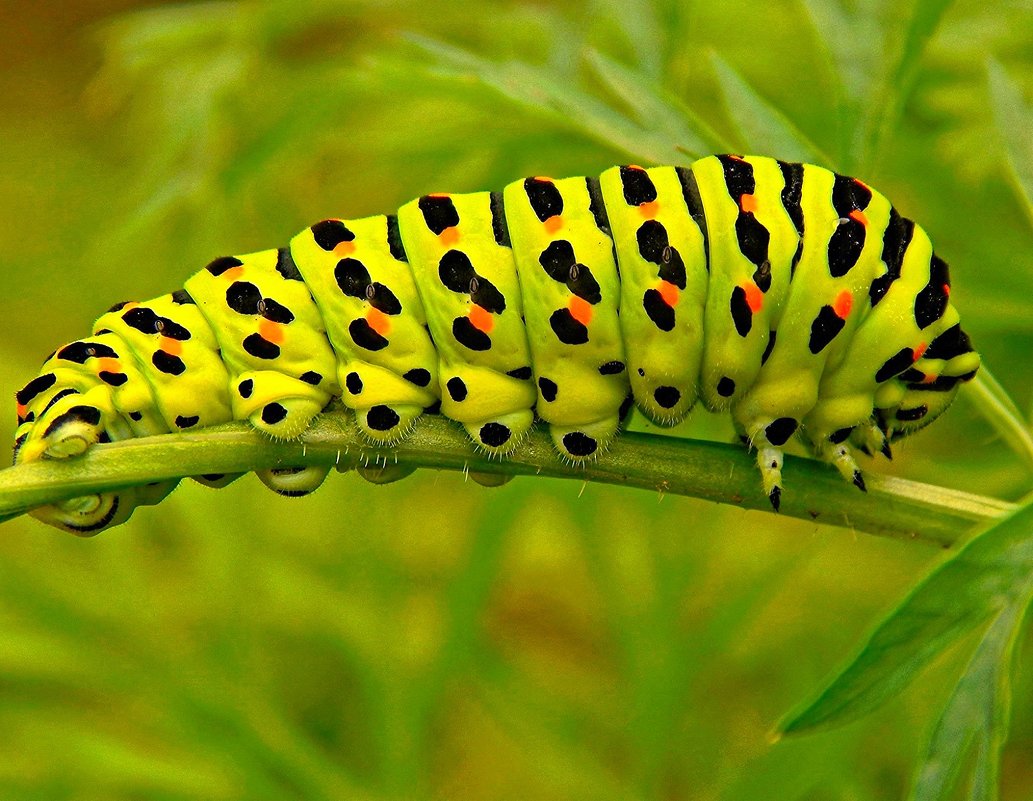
796 298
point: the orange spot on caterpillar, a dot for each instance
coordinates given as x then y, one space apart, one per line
859 216
449 236
635 167
270 331
344 248
553 224
918 352
233 272
946 290
438 195
108 366
649 210
481 319
21 408
378 321
580 309
748 204
862 184
173 347
843 303
929 378
754 297
668 293
544 178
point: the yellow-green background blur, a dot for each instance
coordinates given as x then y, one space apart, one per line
434 639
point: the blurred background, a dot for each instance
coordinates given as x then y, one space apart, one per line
432 638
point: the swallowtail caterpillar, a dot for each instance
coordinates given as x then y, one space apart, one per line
795 298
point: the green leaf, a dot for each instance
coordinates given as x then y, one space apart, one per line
549 94
849 43
990 573
875 62
848 38
638 22
1014 119
899 78
976 715
653 107
763 128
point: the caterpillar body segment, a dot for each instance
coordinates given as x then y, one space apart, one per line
281 369
795 298
365 293
462 260
752 242
656 221
571 292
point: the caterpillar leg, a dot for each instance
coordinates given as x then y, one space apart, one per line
769 460
583 442
386 424
276 404
294 482
490 479
217 480
386 405
870 438
384 474
495 408
768 436
501 435
839 456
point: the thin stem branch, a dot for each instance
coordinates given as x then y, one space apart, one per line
713 471
1001 412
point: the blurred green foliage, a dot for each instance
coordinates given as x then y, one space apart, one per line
433 639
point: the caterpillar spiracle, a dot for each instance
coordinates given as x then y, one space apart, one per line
795 298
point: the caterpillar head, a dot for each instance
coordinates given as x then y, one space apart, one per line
917 409
928 389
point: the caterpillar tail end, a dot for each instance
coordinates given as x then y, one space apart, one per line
67 428
88 515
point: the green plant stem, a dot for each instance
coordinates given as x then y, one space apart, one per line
668 465
1000 411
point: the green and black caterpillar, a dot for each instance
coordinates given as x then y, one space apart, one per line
796 298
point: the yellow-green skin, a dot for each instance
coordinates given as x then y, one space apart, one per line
660 356
795 298
378 374
475 386
584 409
